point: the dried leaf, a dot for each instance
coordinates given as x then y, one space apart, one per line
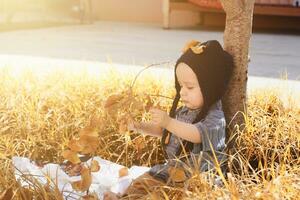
126 102
198 49
123 127
90 131
76 185
89 143
113 99
177 174
88 149
90 197
167 140
75 145
73 169
88 140
71 156
85 182
149 104
123 172
112 111
138 105
95 167
97 123
190 44
86 178
139 144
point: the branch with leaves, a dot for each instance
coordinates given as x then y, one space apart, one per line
122 107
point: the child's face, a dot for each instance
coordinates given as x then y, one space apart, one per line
190 91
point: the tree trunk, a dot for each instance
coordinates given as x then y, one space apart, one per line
238 30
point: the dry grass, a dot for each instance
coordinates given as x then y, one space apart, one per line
38 116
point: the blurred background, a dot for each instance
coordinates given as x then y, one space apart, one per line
268 13
139 32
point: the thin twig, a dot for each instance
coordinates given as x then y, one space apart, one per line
151 65
158 95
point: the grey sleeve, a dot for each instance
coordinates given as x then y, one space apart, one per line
212 129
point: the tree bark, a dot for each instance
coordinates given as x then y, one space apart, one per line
238 30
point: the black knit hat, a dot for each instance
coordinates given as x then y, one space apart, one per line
213 67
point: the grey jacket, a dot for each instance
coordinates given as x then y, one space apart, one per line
202 156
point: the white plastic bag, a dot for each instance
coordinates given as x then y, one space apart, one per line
106 179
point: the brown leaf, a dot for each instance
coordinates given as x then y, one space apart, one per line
132 125
97 123
138 105
90 131
73 169
190 44
177 174
71 156
123 127
90 197
86 178
139 144
198 49
85 182
113 99
123 172
126 102
89 143
75 145
88 140
149 104
76 185
88 149
95 167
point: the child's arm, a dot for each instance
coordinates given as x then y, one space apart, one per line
147 128
183 130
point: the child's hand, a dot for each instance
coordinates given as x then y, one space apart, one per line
160 117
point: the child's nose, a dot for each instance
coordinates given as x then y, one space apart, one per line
182 92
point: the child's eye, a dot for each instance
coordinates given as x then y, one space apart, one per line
190 88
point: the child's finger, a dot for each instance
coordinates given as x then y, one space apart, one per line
130 127
157 104
154 115
151 109
154 110
154 121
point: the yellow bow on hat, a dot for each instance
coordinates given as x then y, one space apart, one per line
195 46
